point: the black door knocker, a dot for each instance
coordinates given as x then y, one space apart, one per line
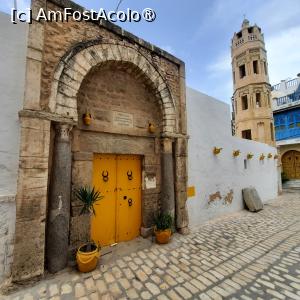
129 175
105 176
130 202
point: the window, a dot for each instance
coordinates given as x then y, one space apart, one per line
291 121
244 102
233 75
255 67
266 68
239 35
246 134
258 100
250 30
242 69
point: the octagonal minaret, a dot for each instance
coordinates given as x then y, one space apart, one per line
253 116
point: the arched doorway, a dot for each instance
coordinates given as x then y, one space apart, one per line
291 164
118 149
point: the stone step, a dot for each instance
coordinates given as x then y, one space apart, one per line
291 184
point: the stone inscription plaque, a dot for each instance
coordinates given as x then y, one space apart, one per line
121 119
150 182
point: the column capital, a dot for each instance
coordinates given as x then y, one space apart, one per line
166 144
63 132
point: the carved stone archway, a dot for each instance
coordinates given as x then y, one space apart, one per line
77 63
62 109
68 78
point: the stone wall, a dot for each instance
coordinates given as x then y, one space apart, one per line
12 78
60 38
219 179
118 72
7 230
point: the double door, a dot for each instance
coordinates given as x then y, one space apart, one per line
118 214
291 164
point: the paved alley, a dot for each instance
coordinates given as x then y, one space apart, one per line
242 256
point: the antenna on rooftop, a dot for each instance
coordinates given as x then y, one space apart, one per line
15 4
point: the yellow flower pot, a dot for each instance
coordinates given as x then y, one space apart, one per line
217 151
249 155
87 118
87 261
236 153
151 128
163 236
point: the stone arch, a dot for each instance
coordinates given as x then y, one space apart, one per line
73 68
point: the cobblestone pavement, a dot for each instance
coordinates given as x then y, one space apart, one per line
243 256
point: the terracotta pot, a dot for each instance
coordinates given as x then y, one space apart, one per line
152 128
163 236
87 118
87 261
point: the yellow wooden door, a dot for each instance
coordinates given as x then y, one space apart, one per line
297 165
128 197
291 164
118 214
103 224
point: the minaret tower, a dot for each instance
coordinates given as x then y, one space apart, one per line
253 117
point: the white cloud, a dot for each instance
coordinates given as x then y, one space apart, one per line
279 21
221 65
284 54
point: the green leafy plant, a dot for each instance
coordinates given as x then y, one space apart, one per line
163 221
88 196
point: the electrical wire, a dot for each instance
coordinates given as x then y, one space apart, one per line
120 1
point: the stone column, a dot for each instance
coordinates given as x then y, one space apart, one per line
31 200
167 178
59 201
181 184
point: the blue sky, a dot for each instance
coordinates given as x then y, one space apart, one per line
199 32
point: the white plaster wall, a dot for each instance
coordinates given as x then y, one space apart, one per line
12 77
209 125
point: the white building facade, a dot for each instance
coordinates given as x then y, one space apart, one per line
286 112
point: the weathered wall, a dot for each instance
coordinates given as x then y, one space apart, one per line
12 76
61 37
59 57
219 180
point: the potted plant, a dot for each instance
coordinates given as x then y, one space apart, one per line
163 224
88 254
236 153
217 150
249 155
262 157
